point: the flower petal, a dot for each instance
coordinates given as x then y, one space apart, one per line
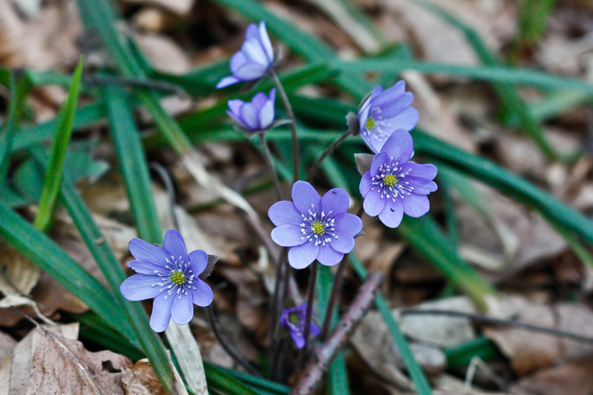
183 309
373 204
235 106
175 245
265 40
328 256
298 338
144 267
344 243
300 257
366 183
336 201
161 312
416 205
348 223
420 170
421 186
252 32
227 81
199 261
255 52
377 162
305 197
259 100
144 251
314 329
202 295
288 235
406 119
238 60
237 118
249 116
140 287
284 212
392 214
250 71
266 115
399 146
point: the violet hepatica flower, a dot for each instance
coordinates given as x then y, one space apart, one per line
170 276
294 320
255 116
314 227
254 59
393 185
383 112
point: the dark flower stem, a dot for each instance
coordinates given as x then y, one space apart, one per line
270 164
226 345
333 298
309 314
326 153
293 130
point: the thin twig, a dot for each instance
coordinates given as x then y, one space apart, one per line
333 298
325 353
482 319
270 164
309 313
293 130
326 153
226 345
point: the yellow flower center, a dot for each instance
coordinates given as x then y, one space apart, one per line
293 318
177 277
318 227
370 123
390 180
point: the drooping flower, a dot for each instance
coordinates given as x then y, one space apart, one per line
255 116
393 185
314 227
294 320
254 59
384 112
170 276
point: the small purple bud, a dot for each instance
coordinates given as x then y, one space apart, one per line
294 320
254 116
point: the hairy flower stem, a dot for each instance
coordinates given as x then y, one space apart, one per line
333 299
326 153
227 346
293 130
270 164
308 316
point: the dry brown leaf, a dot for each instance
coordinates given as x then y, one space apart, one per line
18 275
180 7
571 379
140 379
7 344
163 53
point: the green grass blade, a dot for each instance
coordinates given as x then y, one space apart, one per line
460 356
59 147
258 383
533 18
414 369
132 165
220 381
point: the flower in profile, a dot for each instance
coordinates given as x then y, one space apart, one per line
383 112
170 276
254 59
255 116
393 185
314 227
294 320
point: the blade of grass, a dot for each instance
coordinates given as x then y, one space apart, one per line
59 147
220 381
460 356
531 24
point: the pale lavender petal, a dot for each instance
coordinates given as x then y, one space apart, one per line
238 119
373 204
399 146
226 81
302 256
175 245
377 161
140 287
344 243
336 201
145 267
143 251
250 71
416 205
202 295
161 312
265 40
259 100
305 198
254 52
314 329
419 170
288 235
398 105
421 186
366 183
266 115
238 60
406 120
298 338
183 309
392 214
284 212
235 106
252 32
249 116
199 261
328 256
348 223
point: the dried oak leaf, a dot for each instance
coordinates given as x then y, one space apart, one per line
140 379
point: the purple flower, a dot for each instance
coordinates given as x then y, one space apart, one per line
294 320
255 116
254 59
315 227
394 186
170 276
384 112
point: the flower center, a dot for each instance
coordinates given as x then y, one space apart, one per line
177 277
390 180
293 318
318 227
370 123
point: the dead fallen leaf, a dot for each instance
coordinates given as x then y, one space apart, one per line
574 378
7 344
180 7
140 379
163 53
